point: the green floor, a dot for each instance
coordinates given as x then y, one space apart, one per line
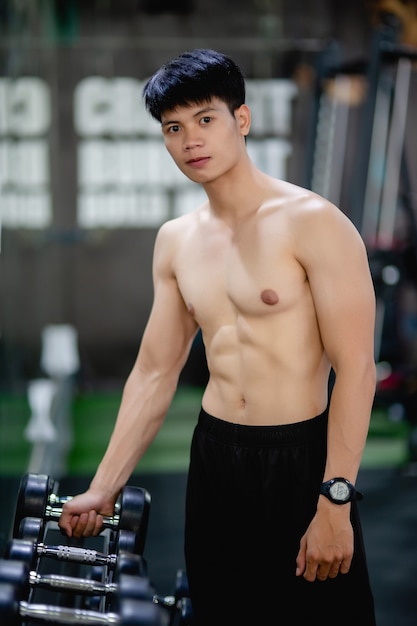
93 416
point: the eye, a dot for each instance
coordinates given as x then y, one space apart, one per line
173 129
206 119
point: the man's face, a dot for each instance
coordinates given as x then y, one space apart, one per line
205 139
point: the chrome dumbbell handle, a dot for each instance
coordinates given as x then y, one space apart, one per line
62 615
54 513
57 582
77 555
55 500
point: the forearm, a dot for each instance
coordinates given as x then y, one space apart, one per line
349 415
145 402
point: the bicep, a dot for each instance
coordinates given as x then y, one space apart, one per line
170 328
169 332
344 296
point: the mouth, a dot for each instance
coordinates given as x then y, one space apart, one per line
198 162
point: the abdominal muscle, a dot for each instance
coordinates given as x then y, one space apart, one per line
259 381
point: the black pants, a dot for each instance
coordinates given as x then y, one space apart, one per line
252 491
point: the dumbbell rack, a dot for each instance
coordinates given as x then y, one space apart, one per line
96 580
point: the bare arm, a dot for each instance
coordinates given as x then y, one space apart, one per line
146 397
341 284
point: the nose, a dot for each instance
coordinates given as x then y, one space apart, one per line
192 139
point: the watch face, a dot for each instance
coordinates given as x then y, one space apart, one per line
339 491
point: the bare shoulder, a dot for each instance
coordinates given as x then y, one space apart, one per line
171 237
175 230
310 210
177 225
317 224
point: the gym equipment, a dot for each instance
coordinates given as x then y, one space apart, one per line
32 529
132 586
181 588
369 174
29 552
14 611
85 585
183 615
127 585
37 497
179 604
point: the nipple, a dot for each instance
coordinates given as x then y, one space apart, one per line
190 308
269 296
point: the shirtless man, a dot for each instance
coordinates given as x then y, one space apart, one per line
277 279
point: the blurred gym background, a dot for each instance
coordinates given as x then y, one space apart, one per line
85 183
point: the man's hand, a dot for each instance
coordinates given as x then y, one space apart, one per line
82 516
326 548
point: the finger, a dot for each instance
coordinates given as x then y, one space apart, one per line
301 559
341 564
98 525
311 571
78 523
93 525
87 525
90 523
64 524
335 569
322 572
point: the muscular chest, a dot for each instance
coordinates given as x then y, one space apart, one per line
254 274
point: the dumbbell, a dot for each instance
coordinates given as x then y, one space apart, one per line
134 585
29 552
37 498
127 585
14 611
181 589
179 604
31 530
121 541
183 615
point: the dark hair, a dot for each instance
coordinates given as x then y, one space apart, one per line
194 77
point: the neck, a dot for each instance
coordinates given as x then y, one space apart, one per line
236 195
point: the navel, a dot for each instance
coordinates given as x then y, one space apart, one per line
269 296
190 308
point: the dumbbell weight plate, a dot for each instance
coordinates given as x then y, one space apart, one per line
15 573
129 564
125 541
31 529
185 613
130 587
141 613
181 585
9 605
22 550
32 498
134 513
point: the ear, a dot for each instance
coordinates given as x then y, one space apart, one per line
243 118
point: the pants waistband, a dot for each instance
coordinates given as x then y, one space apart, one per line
280 434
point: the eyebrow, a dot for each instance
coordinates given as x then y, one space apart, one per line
196 114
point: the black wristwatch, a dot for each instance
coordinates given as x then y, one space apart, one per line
340 490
